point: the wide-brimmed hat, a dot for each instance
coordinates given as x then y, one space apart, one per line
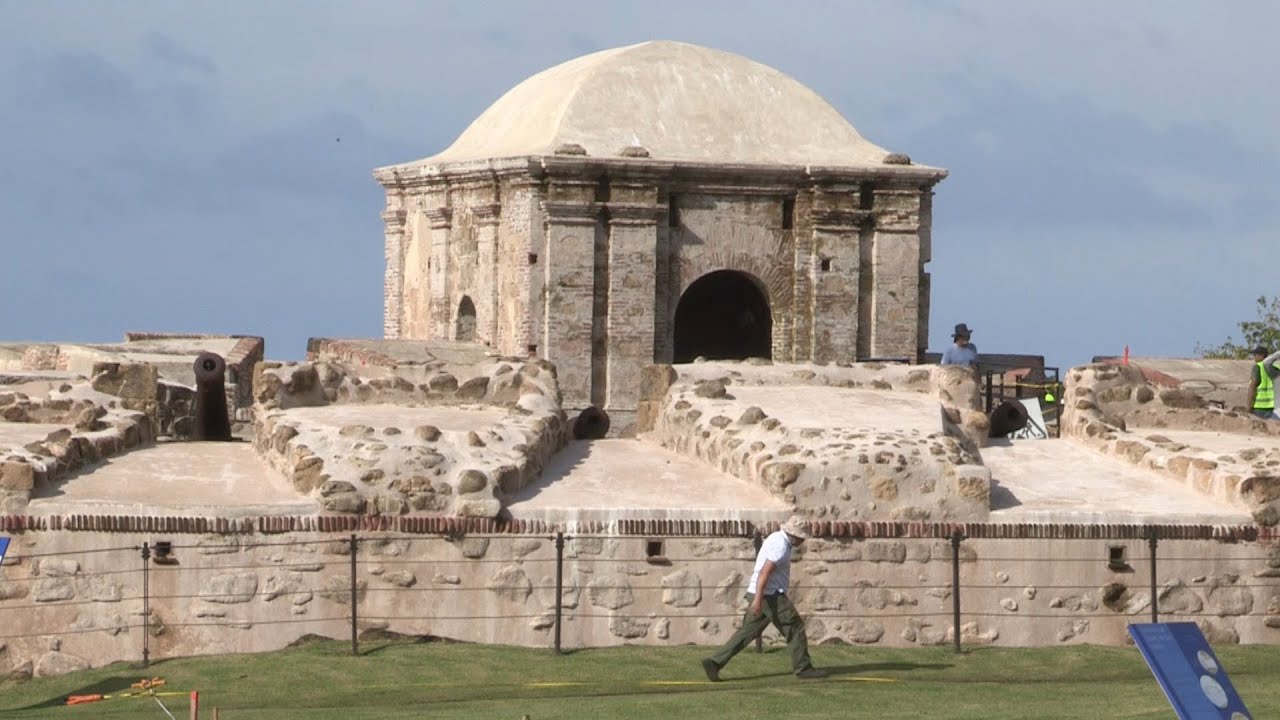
797 527
962 330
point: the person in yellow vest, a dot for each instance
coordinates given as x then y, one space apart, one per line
1262 388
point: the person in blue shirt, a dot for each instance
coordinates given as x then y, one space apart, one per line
963 352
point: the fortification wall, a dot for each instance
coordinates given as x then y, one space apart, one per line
72 587
1103 401
834 468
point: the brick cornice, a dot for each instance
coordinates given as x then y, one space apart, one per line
561 212
635 213
439 218
449 525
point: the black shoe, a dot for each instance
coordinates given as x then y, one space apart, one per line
712 670
812 673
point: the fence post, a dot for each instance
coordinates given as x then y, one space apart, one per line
956 538
355 643
1152 541
559 584
756 542
146 604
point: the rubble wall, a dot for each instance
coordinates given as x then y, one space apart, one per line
1103 401
75 596
826 471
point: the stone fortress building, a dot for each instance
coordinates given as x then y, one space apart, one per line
598 228
656 203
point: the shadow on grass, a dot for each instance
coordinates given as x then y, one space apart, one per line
854 669
106 686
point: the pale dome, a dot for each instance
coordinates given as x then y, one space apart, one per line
679 101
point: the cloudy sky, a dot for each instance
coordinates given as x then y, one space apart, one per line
206 167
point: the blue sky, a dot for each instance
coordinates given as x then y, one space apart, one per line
177 166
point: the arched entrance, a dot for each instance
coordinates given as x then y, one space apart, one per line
724 315
465 324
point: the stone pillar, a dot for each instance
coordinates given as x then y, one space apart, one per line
393 281
486 224
571 215
630 320
895 255
438 305
834 270
926 282
802 299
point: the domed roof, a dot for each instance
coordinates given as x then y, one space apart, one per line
679 101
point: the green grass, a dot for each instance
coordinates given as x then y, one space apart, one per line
402 679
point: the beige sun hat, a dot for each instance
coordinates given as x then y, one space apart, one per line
797 526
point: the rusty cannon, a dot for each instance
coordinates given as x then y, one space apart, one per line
212 420
1008 417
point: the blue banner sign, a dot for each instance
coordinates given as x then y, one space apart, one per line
1189 673
4 545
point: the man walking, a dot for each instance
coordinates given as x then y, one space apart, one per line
1262 391
962 352
767 595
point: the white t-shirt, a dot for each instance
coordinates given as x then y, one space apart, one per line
776 547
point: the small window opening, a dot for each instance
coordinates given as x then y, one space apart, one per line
673 212
826 264
788 213
533 258
533 350
1116 559
653 552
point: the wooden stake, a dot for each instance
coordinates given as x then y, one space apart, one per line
195 705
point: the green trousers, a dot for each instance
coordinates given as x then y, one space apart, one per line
776 609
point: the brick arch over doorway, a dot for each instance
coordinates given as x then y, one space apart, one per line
771 273
723 315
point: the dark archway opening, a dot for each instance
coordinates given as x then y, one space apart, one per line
723 315
465 325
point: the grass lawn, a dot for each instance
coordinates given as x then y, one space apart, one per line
403 679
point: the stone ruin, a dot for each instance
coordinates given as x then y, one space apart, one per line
426 435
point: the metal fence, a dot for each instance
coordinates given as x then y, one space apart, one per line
862 579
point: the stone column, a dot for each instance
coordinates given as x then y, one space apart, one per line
571 215
631 320
393 281
802 299
895 255
486 224
438 305
834 271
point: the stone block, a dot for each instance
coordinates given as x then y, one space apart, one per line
229 588
17 476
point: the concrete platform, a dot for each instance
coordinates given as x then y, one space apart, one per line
607 480
15 434
802 406
1062 481
447 419
1211 444
207 479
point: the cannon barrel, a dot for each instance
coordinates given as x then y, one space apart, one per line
1007 417
212 420
591 424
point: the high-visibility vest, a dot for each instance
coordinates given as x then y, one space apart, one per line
1266 397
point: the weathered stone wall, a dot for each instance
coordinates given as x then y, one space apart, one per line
358 468
1103 401
824 470
584 262
98 423
74 598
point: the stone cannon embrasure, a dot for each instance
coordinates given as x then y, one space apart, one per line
212 419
